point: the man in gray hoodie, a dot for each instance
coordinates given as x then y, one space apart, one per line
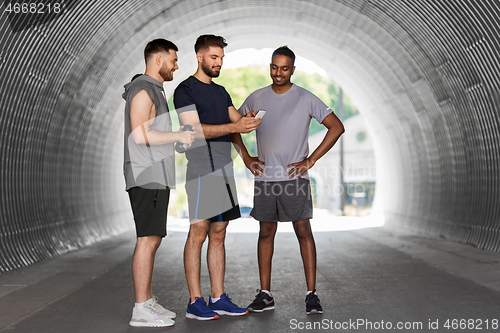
149 170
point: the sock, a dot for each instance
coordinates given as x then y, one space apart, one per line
214 299
139 306
267 292
310 291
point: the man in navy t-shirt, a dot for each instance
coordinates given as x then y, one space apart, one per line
210 185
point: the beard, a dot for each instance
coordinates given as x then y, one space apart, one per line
209 71
166 73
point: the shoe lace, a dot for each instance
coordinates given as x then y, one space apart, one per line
151 306
155 302
260 295
201 306
312 297
230 300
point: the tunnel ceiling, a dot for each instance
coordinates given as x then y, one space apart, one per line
425 74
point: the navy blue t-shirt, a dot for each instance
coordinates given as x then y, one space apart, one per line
212 102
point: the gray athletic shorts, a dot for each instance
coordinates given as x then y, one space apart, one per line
212 197
283 201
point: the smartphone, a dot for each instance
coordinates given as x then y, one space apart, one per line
260 114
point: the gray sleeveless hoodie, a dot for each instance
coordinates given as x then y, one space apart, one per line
148 166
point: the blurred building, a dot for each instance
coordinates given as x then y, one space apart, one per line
359 168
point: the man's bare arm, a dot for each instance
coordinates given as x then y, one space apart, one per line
215 131
238 124
140 120
240 146
335 130
236 137
252 163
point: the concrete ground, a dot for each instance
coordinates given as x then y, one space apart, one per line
369 280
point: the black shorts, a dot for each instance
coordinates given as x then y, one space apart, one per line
212 197
150 210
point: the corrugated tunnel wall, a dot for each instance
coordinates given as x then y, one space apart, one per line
425 75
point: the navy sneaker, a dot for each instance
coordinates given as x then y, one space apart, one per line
262 302
224 306
312 303
199 310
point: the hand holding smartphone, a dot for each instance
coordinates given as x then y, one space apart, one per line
260 114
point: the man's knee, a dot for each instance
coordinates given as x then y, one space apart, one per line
149 242
267 230
198 232
217 232
302 229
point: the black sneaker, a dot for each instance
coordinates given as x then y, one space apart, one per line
312 303
262 302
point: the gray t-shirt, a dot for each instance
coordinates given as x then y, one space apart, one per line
148 166
282 135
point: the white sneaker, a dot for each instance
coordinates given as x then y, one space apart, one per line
167 313
149 317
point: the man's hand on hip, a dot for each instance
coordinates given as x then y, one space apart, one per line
253 164
299 168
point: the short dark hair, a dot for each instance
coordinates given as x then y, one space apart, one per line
158 45
205 41
284 50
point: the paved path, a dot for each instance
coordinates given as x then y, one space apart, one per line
370 275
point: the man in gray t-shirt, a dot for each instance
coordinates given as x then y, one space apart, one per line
282 136
282 190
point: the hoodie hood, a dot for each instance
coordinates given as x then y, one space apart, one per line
141 79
